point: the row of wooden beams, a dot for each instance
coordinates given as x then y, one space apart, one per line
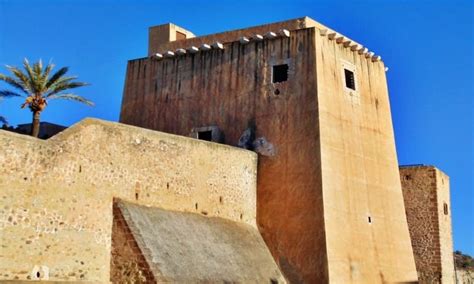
347 43
218 45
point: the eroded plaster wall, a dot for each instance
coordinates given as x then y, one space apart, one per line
427 201
232 89
366 228
56 195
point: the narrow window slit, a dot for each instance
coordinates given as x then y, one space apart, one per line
349 77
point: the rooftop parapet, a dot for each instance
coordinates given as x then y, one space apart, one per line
169 39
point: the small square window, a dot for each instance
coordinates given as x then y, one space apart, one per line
205 135
349 77
280 73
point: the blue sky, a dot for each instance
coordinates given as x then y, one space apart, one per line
428 46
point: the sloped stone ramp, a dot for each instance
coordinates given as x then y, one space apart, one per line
156 245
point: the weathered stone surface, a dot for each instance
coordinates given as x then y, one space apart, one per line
335 164
190 248
233 89
56 194
428 209
464 276
364 215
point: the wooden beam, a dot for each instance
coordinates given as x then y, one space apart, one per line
347 43
205 47
158 56
284 33
244 40
363 51
340 39
180 51
376 58
217 45
193 49
356 47
257 37
369 54
270 35
333 36
169 53
323 32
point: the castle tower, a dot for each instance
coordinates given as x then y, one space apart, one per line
329 199
427 203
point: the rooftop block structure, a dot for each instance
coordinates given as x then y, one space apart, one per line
58 220
314 104
428 208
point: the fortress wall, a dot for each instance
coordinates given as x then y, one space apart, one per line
56 195
445 228
360 171
425 191
232 88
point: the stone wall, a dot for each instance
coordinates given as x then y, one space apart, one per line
366 228
464 276
232 89
56 195
332 165
127 265
428 210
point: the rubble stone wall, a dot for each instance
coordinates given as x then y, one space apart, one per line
56 195
427 203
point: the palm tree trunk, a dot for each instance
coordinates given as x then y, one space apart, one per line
35 126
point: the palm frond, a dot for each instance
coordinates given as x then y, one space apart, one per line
56 76
38 68
57 88
21 76
31 75
8 94
72 97
29 70
3 120
14 83
40 79
47 71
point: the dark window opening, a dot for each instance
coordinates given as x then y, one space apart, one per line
180 36
205 135
408 177
280 73
350 81
370 219
445 208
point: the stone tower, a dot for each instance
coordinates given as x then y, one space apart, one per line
315 104
427 203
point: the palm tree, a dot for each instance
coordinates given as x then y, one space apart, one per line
38 87
3 120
